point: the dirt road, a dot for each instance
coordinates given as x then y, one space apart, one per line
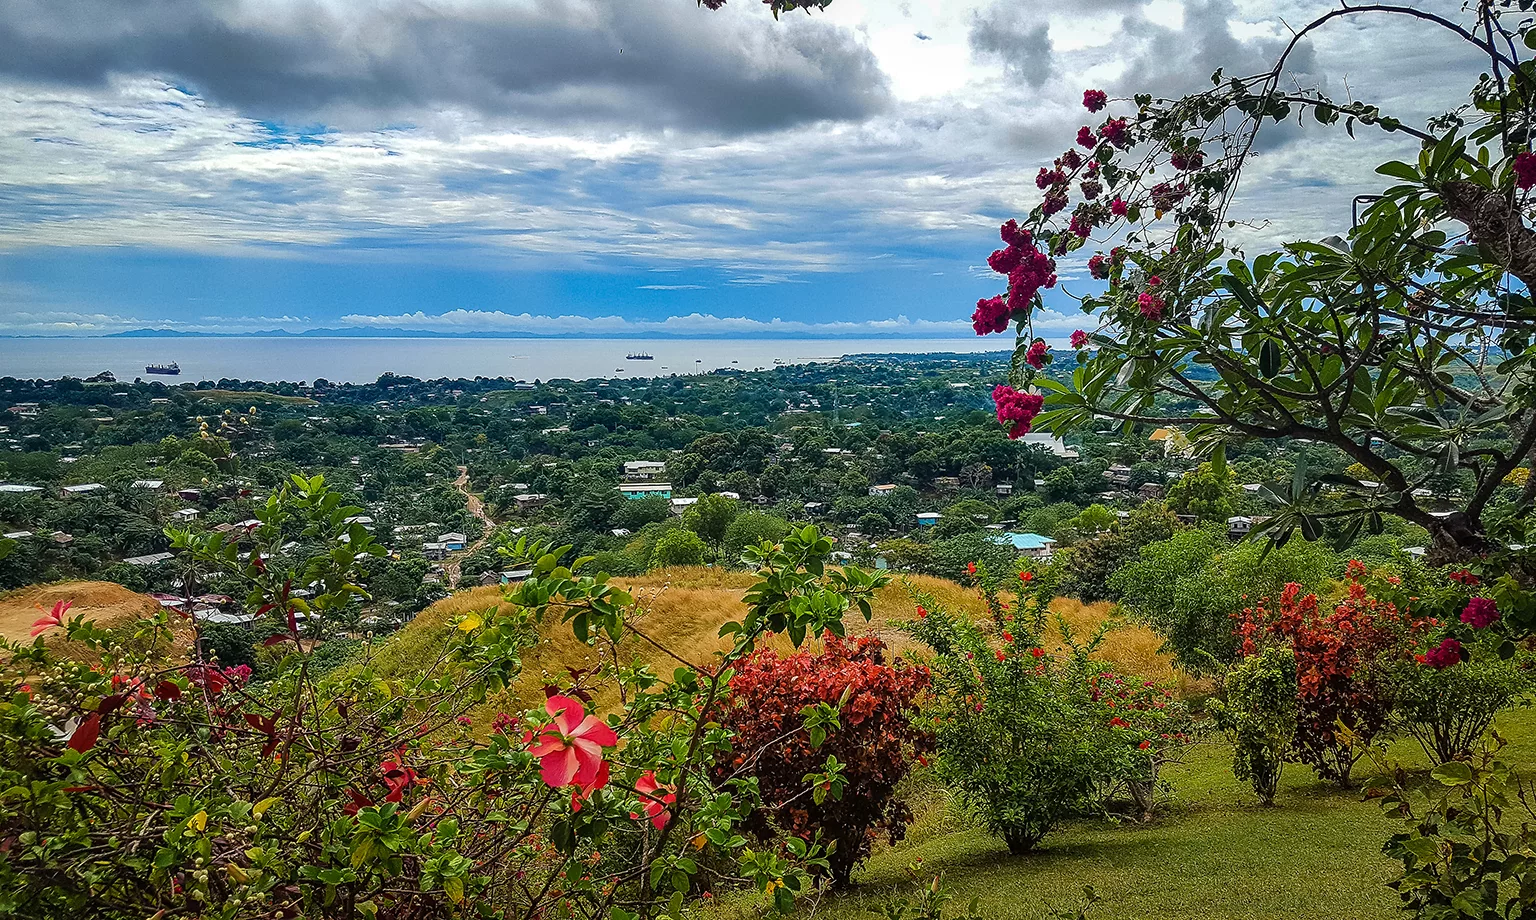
453 565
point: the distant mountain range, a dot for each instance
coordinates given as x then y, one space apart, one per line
356 333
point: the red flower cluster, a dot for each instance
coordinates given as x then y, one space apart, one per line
1085 138
1098 267
1150 305
1118 207
1480 613
1166 196
1465 577
1049 177
1028 270
1079 337
1116 131
1187 159
1445 655
1081 225
1091 188
1095 99
1016 409
1036 355
1525 170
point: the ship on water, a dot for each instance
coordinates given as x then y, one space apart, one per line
640 356
169 370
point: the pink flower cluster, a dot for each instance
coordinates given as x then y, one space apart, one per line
1036 355
1525 170
1098 266
1118 207
1028 270
1079 338
1445 655
1150 305
1116 131
1481 612
1018 410
1095 99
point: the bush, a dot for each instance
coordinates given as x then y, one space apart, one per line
749 529
232 644
1343 663
874 742
1447 710
1021 736
1259 718
678 547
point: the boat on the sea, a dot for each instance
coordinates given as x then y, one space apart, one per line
169 370
640 356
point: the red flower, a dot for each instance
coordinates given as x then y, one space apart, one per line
922 612
1036 355
1095 99
1525 170
1026 577
570 748
1000 655
1007 636
970 568
1118 207
1038 652
1446 654
1143 746
1150 305
1085 138
1116 132
51 618
1079 339
992 314
1481 612
1118 722
1465 577
1098 267
1016 408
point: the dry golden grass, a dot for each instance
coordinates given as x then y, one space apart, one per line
682 610
107 603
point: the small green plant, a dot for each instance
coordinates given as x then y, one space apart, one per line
1259 716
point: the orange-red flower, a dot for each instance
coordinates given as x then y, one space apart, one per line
656 797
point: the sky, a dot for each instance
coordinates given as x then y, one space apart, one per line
609 167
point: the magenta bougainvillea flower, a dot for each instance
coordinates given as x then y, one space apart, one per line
1018 410
1481 612
1095 99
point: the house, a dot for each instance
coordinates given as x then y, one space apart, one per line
362 519
928 518
26 410
1051 443
529 501
947 483
185 514
63 539
634 490
1030 545
1240 526
8 487
505 578
1004 489
453 541
434 550
679 505
620 532
881 491
83 489
1118 475
190 495
150 485
17 535
643 470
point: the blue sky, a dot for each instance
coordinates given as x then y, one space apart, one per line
585 166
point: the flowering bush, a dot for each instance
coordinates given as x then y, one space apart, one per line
1448 709
1026 737
1343 664
1259 717
161 784
771 710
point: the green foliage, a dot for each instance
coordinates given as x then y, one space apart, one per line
1259 717
750 529
635 513
1204 492
710 517
1448 710
678 547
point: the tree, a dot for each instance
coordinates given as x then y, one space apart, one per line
1259 718
750 529
1406 343
678 547
1205 492
709 517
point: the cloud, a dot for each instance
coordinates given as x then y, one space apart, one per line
596 62
700 324
1019 37
671 287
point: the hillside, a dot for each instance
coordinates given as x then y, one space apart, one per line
685 607
103 601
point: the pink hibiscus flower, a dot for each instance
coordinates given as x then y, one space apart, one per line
52 618
570 748
656 797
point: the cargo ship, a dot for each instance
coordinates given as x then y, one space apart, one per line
640 356
169 370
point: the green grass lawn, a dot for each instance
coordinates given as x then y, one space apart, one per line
1213 853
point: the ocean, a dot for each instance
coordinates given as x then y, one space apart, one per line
354 360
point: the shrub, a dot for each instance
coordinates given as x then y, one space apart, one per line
1343 662
1447 710
1259 717
231 643
1019 736
874 742
749 529
678 547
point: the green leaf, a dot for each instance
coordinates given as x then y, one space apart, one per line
1453 773
1399 170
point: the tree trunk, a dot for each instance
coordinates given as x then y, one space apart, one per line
1019 840
1456 539
1495 224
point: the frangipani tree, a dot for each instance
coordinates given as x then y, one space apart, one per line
1406 341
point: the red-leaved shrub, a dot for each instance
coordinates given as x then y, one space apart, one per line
876 742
